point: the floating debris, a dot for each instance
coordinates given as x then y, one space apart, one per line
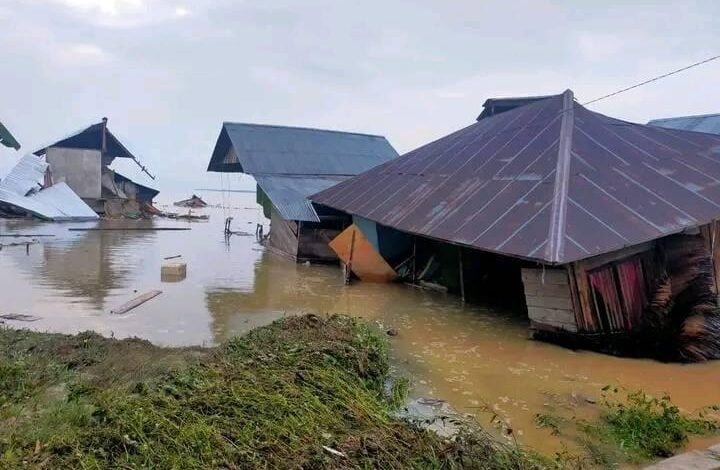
194 201
136 302
19 317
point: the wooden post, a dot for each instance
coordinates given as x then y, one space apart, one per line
104 135
348 266
462 274
414 259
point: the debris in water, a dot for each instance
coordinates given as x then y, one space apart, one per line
19 317
392 332
137 301
173 272
193 201
82 229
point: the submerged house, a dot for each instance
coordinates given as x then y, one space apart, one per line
83 159
605 231
289 164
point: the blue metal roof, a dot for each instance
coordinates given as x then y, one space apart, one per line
264 149
289 194
291 163
708 123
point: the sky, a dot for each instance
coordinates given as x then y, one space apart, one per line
167 73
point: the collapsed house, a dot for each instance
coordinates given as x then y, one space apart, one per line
24 192
82 160
194 202
289 164
604 231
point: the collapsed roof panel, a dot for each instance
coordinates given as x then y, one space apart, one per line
541 181
20 187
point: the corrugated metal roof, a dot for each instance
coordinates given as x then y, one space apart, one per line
25 175
90 138
7 139
709 123
550 181
493 106
57 202
289 193
263 149
290 163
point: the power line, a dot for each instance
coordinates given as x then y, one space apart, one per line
659 77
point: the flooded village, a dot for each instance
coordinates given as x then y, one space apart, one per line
533 284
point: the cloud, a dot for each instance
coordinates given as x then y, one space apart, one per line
81 54
125 13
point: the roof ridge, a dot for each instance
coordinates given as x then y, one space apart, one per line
300 128
556 233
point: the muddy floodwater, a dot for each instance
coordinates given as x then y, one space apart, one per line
480 360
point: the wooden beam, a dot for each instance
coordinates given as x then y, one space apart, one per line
136 302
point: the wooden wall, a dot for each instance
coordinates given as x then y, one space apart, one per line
283 239
549 299
313 243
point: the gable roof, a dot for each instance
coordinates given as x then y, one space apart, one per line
264 149
91 138
709 123
550 181
291 163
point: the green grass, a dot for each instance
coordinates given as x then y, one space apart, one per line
279 397
646 428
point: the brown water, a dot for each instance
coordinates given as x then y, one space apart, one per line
479 360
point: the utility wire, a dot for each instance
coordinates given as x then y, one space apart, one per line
659 77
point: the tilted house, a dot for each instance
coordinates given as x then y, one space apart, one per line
610 225
83 159
289 164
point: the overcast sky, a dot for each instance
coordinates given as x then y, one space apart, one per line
167 73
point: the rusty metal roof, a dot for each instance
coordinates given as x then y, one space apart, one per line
550 181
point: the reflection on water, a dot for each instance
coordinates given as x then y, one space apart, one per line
476 358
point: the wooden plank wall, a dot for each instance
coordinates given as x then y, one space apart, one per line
283 238
548 298
711 234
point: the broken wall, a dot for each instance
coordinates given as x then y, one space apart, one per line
79 168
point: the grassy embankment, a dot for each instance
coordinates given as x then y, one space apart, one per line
304 392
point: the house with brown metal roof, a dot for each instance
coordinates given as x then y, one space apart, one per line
607 229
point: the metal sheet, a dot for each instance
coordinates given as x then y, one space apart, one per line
25 175
7 139
289 193
57 202
708 123
550 181
263 149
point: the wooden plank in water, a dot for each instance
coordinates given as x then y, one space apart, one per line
137 301
82 229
